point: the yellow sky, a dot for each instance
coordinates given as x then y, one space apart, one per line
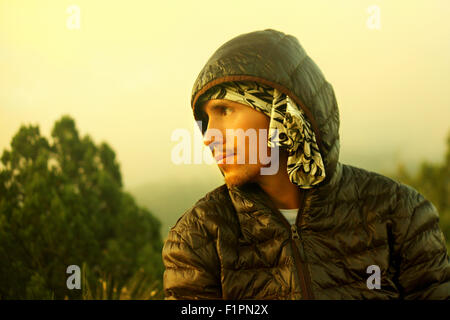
126 75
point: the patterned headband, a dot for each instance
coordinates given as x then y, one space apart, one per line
294 132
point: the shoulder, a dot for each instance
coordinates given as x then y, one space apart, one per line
366 177
372 182
402 202
365 184
207 214
396 197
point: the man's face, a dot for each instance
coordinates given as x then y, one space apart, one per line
237 136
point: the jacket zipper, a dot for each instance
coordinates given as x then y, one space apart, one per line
303 274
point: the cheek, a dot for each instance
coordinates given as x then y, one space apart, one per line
251 119
257 150
261 123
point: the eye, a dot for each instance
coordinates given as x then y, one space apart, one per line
224 110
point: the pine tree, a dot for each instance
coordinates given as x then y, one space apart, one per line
62 203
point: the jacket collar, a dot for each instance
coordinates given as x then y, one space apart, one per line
250 198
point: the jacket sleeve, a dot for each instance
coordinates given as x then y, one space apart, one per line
423 262
192 269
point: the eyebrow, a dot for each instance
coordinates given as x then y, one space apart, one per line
215 105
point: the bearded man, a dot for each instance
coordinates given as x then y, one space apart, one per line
301 225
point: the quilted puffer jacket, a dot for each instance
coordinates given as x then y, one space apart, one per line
234 244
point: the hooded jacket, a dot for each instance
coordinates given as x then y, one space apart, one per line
358 234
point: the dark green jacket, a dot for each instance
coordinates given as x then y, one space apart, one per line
233 244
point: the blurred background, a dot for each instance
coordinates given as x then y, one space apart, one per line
91 92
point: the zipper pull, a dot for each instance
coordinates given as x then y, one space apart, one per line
294 232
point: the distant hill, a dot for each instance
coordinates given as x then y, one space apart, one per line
170 198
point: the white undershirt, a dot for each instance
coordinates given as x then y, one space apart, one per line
289 214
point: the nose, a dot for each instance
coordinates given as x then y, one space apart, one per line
213 137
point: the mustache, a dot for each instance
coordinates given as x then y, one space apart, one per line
218 146
219 151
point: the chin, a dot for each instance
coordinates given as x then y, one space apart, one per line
234 181
235 177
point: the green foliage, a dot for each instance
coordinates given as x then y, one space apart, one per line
62 203
433 181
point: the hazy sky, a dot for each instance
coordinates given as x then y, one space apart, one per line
126 74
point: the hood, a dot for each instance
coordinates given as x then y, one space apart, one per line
277 59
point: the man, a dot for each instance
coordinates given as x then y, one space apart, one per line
312 229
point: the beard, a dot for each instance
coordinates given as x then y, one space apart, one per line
239 175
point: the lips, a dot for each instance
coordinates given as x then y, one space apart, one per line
220 158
